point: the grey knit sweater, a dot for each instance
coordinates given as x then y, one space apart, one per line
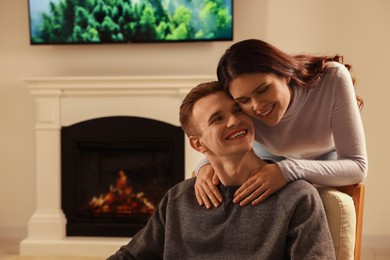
290 224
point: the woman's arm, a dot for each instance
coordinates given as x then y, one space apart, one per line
351 164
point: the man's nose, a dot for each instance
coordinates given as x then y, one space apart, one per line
233 120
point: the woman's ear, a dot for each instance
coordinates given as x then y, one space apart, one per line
197 144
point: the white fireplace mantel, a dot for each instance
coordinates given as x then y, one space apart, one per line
63 101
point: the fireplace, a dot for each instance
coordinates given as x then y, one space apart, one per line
115 171
61 102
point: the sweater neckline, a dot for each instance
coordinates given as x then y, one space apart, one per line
298 99
228 191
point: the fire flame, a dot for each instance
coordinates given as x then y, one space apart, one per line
121 199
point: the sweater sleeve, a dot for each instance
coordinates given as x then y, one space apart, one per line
308 232
351 164
202 163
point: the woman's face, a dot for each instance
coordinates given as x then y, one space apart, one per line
264 96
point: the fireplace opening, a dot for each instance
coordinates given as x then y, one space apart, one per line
115 170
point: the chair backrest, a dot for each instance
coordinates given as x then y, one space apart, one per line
357 192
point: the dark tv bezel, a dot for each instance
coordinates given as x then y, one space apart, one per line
130 42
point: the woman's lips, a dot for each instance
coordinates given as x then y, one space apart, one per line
266 112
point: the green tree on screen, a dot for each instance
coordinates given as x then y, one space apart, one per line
127 20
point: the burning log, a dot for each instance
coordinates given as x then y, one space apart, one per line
121 199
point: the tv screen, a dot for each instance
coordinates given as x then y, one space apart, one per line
129 21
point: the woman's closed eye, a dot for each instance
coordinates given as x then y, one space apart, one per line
261 90
242 100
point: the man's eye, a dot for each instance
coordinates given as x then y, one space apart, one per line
216 119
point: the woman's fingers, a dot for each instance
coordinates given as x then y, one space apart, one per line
265 181
245 190
206 190
215 179
208 194
253 192
199 197
262 198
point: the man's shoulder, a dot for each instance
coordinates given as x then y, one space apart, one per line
296 190
182 188
300 184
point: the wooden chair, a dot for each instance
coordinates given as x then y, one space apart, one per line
357 192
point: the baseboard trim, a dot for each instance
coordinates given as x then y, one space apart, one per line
13 232
370 241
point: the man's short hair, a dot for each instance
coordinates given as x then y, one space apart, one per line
198 92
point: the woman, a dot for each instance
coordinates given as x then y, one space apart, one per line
306 118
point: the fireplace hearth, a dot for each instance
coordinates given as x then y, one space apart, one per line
115 171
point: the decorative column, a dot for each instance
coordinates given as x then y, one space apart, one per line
48 220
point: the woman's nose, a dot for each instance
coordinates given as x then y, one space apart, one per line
256 106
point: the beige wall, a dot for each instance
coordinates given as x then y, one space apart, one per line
358 29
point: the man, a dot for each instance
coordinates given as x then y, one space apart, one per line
290 224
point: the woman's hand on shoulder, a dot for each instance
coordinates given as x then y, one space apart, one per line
265 181
206 190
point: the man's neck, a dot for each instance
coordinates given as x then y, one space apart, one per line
235 170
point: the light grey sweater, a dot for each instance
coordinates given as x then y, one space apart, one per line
318 121
290 224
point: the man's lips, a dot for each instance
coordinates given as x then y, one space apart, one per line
237 134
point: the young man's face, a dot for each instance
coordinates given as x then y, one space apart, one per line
224 128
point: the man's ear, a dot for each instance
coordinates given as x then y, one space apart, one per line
197 144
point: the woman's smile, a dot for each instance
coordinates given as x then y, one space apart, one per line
265 113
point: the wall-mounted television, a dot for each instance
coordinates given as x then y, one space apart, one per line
129 21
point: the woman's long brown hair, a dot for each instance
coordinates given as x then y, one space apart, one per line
256 56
